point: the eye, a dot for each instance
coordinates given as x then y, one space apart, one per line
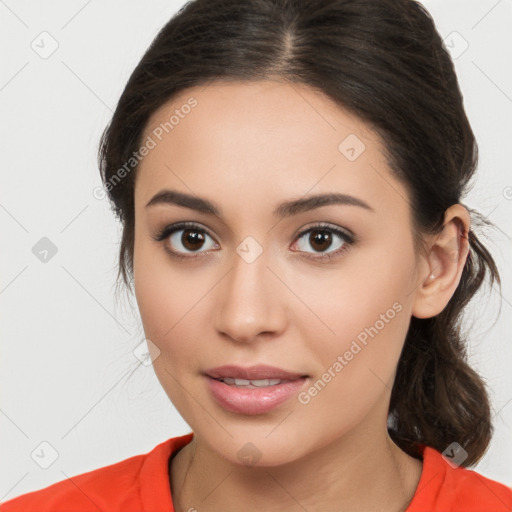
325 240
186 238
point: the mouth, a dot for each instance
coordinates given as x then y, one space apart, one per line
251 384
253 390
260 375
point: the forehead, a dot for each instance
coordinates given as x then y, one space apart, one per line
269 112
263 138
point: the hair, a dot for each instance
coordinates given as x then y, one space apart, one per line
383 61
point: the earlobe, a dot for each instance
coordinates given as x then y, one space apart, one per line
445 262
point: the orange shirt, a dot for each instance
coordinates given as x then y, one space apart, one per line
141 484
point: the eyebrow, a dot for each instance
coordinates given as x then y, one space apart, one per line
286 209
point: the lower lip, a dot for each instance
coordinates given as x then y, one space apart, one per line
253 401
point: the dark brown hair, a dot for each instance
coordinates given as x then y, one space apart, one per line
384 61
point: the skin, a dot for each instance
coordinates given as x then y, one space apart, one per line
247 147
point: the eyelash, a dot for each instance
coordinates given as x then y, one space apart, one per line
347 238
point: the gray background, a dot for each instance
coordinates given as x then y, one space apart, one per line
68 374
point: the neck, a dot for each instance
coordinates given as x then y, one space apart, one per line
363 472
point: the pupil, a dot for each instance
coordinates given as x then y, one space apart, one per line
192 239
322 238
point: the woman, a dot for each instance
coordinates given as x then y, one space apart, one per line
289 176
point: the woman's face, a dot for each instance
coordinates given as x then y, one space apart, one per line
323 290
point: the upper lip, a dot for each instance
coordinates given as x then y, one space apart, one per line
252 372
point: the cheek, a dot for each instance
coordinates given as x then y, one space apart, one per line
173 303
366 313
165 293
379 277
149 286
356 366
159 306
166 317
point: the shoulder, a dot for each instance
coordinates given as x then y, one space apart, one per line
475 492
446 487
122 486
94 490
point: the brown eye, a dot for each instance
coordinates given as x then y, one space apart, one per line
186 240
323 238
320 240
326 242
192 239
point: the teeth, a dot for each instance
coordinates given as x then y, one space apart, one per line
258 383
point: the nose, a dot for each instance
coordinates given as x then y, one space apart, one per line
250 302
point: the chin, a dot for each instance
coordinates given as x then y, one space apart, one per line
259 446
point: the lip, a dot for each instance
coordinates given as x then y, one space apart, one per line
253 401
252 372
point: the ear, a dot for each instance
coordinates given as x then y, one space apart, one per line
443 264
